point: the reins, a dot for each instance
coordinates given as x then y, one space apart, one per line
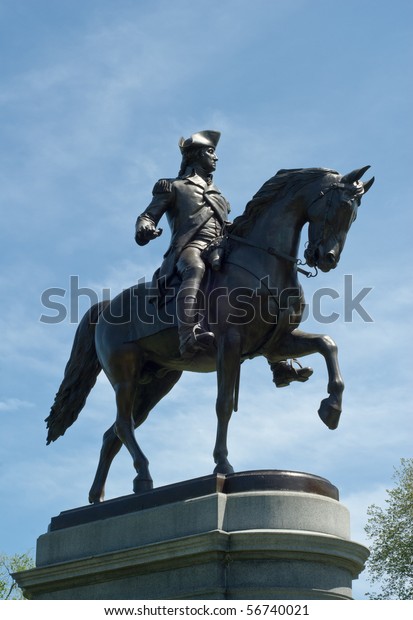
273 252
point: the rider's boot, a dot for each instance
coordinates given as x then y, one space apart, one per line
284 373
192 337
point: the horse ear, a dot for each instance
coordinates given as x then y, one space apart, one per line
355 175
368 184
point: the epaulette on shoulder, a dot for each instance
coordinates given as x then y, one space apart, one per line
163 186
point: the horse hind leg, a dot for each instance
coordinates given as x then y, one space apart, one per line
150 396
126 393
111 444
123 368
145 400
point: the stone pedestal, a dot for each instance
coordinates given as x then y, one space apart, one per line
253 535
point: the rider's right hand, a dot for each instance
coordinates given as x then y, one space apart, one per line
146 232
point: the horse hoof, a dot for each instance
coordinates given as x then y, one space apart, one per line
224 468
96 498
142 486
329 414
93 500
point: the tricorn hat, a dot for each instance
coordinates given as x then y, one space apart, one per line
202 138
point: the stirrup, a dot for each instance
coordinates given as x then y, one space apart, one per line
196 340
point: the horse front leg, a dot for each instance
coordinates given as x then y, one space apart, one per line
228 366
299 344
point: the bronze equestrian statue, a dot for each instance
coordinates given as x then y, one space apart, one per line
252 306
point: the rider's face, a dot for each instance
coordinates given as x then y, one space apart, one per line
207 159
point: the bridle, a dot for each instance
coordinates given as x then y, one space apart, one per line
311 247
309 251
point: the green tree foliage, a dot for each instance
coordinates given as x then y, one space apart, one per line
391 532
12 564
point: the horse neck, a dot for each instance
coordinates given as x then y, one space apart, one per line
279 226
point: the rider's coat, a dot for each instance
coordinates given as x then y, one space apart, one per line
189 203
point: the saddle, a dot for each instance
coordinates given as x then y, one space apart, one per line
155 302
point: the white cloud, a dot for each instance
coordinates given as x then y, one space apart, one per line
14 404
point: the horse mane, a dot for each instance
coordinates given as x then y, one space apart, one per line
282 182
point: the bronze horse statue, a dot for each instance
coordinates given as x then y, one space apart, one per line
253 306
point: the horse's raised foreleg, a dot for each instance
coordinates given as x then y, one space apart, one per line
299 344
228 365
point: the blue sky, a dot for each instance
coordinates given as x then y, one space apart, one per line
94 97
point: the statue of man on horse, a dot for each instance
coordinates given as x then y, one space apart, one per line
197 213
144 359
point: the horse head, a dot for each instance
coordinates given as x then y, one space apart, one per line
331 215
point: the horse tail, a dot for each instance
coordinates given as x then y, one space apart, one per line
79 378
